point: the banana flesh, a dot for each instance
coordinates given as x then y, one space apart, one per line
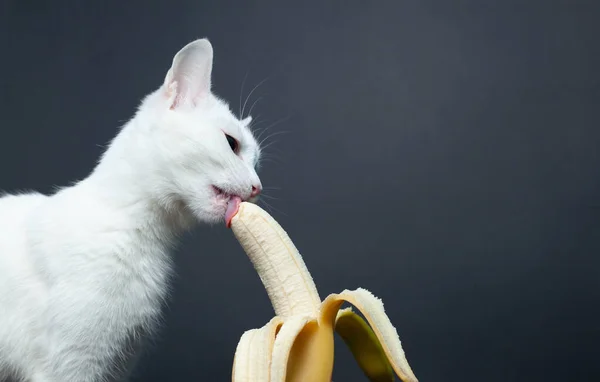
297 344
278 263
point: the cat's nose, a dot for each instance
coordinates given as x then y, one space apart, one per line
255 191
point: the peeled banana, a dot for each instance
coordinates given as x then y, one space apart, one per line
297 345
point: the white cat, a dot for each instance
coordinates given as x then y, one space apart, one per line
84 272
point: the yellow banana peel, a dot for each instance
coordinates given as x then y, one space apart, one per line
297 345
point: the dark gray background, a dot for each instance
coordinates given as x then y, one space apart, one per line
443 154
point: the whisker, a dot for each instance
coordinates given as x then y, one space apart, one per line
265 204
263 195
270 157
277 122
270 160
268 145
271 154
250 94
264 129
254 104
261 131
256 121
271 208
268 140
242 93
272 135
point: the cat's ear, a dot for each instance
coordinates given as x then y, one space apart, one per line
188 79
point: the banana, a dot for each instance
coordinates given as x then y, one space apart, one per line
297 345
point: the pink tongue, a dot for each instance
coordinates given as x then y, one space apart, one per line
232 208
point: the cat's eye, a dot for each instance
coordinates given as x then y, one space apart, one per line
233 143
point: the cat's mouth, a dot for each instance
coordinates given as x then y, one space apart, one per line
220 193
233 203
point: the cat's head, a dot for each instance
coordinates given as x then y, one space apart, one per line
205 157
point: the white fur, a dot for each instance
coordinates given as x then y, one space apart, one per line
84 272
